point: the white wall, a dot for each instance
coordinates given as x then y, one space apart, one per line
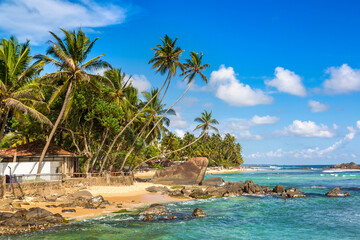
19 168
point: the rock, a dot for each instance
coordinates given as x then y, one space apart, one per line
249 187
350 165
16 204
278 189
234 189
157 189
15 222
37 213
190 172
172 217
155 209
148 218
326 168
214 181
198 193
176 193
294 193
51 198
68 210
305 168
198 213
336 192
82 193
5 215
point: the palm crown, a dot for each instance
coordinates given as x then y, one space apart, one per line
206 122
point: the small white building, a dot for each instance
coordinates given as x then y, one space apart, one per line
23 160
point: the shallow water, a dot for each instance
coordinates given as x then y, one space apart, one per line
244 217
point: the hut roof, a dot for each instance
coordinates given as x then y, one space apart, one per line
34 149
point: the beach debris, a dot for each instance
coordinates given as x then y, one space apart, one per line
336 192
214 181
191 172
198 213
155 210
279 189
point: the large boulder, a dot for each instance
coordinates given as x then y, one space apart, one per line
154 210
293 193
350 165
190 172
214 181
278 189
336 192
198 213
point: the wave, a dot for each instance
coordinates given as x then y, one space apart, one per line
335 170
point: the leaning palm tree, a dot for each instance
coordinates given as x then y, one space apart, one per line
70 57
193 67
166 60
19 92
206 123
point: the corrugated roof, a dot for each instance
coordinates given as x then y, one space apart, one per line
34 148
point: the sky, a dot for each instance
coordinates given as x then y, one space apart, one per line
284 76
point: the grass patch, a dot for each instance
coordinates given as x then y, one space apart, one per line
202 197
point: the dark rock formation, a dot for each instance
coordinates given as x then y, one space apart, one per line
305 168
190 172
68 210
336 192
28 220
148 218
293 193
350 165
198 213
214 181
278 189
155 210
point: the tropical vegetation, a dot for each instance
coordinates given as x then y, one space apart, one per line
102 117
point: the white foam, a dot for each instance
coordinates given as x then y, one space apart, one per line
341 170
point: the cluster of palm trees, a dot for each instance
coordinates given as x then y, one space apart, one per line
101 117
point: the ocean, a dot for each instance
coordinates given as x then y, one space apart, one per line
245 217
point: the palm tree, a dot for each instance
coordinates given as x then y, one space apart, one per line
165 60
206 123
193 67
18 90
70 57
153 111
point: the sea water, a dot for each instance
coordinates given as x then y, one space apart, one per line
245 217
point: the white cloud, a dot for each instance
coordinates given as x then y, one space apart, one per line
309 129
343 79
316 152
247 135
257 120
316 106
189 101
140 82
177 121
288 82
229 89
33 19
180 133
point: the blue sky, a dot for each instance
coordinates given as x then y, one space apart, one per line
284 76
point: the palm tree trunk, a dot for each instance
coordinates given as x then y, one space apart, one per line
177 150
133 119
62 111
169 109
105 160
126 157
4 124
99 149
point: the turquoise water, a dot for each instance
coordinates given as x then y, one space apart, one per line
244 217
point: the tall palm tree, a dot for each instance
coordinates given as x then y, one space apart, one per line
165 60
153 111
206 123
70 57
193 67
18 90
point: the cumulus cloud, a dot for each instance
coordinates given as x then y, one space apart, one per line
177 121
179 132
33 19
316 152
343 79
316 106
288 82
247 135
140 82
257 120
229 89
309 129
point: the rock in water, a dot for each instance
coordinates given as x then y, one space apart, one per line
336 192
198 213
278 189
294 193
155 210
350 165
214 181
148 218
190 172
